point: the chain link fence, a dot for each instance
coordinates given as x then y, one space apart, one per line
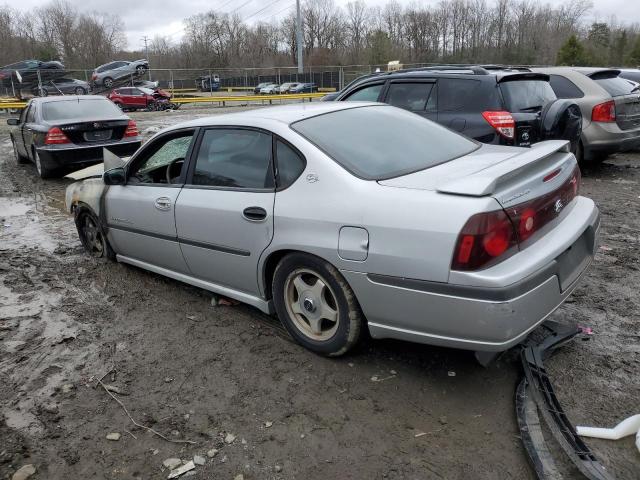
184 81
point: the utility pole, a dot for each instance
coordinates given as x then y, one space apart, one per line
145 39
299 37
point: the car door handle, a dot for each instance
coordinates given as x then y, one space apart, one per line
163 203
254 214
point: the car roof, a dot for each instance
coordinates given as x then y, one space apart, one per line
287 114
67 98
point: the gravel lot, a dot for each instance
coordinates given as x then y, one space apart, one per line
196 372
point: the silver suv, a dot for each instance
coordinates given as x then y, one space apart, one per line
610 108
109 73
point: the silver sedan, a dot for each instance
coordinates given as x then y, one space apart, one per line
341 217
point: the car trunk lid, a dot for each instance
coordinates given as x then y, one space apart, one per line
626 99
511 175
95 131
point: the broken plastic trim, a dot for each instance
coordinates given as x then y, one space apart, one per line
536 390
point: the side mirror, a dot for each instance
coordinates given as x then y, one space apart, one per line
115 176
13 121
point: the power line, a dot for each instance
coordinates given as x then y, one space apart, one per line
241 6
280 11
261 10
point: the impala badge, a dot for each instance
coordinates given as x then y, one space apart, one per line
558 205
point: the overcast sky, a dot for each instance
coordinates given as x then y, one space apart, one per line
164 17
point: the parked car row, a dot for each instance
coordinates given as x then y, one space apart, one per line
270 88
596 110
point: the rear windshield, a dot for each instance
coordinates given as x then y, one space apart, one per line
615 86
80 109
380 142
526 95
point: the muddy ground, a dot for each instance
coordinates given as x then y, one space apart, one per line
196 372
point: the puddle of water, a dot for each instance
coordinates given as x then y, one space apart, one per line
34 221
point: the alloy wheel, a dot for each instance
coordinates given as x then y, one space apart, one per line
311 304
92 237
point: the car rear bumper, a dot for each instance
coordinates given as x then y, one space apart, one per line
55 156
609 138
473 317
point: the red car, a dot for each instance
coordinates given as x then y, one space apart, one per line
134 98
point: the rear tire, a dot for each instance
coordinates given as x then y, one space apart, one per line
316 305
80 91
43 170
92 236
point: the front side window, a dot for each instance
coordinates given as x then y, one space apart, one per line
381 142
162 161
31 114
366 94
235 158
410 96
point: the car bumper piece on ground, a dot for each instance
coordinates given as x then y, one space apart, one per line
62 155
535 393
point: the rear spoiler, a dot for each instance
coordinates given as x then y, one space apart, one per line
600 74
486 181
523 76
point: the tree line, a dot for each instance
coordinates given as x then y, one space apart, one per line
451 31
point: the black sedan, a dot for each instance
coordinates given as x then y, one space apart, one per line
58 132
61 86
304 88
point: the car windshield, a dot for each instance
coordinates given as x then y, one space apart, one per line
381 142
79 109
526 95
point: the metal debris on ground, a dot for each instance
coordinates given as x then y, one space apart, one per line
182 470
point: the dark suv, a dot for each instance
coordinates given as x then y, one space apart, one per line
492 105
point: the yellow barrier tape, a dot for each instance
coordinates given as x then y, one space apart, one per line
12 105
247 98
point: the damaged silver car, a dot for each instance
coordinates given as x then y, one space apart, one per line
341 217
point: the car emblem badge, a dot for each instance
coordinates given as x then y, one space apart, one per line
525 136
558 205
312 178
96 125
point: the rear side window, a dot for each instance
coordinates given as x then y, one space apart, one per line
615 86
236 158
458 94
410 96
80 110
290 164
366 94
564 88
379 142
526 95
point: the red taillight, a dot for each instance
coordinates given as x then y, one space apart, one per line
604 112
503 122
132 129
55 136
94 76
485 237
490 237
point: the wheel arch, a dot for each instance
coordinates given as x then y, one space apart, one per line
270 262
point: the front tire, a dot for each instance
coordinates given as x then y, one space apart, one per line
91 235
18 158
80 91
316 305
107 82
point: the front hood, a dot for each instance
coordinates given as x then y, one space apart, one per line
432 178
